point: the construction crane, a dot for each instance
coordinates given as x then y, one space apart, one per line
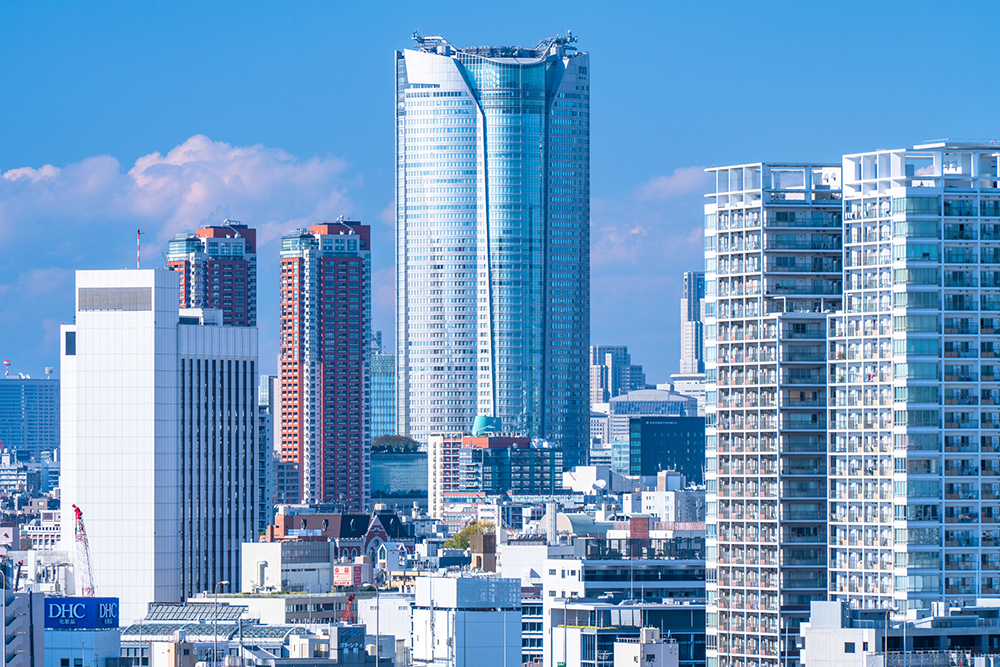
86 571
348 615
17 575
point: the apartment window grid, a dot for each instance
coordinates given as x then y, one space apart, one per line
773 251
325 374
913 449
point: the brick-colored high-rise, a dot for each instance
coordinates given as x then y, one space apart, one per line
325 325
218 267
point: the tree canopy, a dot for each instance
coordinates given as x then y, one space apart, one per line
463 538
394 443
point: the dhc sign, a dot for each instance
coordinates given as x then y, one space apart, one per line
88 613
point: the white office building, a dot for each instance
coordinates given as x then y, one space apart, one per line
773 270
159 438
915 381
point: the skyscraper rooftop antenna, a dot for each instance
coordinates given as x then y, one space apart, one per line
229 223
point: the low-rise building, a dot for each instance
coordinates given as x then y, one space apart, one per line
82 632
351 535
648 649
41 533
838 636
591 631
23 629
467 622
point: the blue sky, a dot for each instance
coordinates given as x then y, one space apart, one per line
166 116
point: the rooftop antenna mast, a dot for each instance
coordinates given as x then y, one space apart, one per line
138 235
6 368
342 220
229 223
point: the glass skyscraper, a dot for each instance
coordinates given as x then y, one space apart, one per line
493 241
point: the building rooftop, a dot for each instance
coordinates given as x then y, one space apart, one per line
515 54
166 611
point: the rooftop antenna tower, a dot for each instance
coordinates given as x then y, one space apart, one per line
229 223
138 235
6 367
83 556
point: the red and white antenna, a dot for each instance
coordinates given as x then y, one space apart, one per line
138 234
6 367
83 566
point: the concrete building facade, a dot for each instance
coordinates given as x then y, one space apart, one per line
217 267
773 253
159 428
325 383
914 380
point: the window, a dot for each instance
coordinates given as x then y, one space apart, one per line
848 647
64 662
70 351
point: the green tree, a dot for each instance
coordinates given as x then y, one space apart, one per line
394 443
462 538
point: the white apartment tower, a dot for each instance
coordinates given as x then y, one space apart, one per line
773 270
159 446
915 380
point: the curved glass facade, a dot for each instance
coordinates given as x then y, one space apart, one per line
493 165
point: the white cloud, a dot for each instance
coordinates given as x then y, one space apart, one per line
200 181
683 181
84 215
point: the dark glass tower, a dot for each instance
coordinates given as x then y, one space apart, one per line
493 239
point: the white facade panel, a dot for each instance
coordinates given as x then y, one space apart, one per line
124 461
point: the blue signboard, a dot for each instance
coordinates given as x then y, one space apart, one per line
81 613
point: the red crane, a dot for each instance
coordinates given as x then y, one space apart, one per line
83 566
348 615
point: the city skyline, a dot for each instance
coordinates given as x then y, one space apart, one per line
305 167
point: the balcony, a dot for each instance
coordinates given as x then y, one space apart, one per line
795 357
774 244
804 379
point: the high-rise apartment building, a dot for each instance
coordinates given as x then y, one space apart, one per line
612 373
915 381
218 269
324 356
773 253
442 470
159 438
493 245
692 328
29 416
383 382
